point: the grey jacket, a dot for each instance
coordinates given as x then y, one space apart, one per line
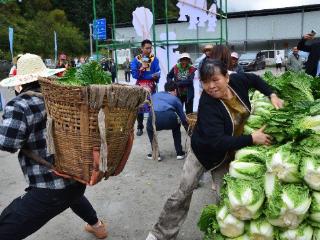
294 64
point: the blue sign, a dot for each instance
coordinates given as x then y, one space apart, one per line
100 29
11 41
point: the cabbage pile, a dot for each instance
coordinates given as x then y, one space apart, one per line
274 192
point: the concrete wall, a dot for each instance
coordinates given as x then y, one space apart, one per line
263 32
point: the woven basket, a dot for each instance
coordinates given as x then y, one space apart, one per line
192 119
75 129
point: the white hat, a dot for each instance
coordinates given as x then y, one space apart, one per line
207 47
184 55
235 55
29 68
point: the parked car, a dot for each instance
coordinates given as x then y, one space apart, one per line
252 61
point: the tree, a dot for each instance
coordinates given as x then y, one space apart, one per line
35 34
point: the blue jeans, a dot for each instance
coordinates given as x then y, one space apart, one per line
29 212
167 120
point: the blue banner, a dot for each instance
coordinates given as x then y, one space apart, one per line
11 41
55 48
100 29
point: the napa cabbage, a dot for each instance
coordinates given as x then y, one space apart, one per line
246 170
308 123
261 229
285 163
244 197
303 232
287 204
316 234
229 225
310 171
310 145
242 237
314 213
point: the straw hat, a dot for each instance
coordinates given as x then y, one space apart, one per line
15 59
185 55
29 68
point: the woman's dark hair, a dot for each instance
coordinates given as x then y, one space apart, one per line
222 53
170 86
210 67
146 41
33 86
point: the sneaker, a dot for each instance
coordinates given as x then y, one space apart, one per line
151 237
139 132
181 155
149 156
100 231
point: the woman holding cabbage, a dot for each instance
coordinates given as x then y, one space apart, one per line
223 110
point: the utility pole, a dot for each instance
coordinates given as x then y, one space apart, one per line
91 47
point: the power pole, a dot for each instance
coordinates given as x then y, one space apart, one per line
91 47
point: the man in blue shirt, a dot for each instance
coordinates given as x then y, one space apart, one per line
167 107
146 69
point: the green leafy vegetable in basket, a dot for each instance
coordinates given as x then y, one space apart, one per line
88 74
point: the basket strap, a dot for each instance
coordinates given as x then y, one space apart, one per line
103 165
33 93
96 96
49 136
37 158
155 145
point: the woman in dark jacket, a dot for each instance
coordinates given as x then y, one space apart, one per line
223 110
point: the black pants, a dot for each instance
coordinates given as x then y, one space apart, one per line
140 117
29 212
278 66
127 76
113 78
167 120
188 104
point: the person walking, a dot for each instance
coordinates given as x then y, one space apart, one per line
24 129
278 61
235 67
113 70
126 67
146 69
105 65
183 75
223 110
168 115
313 48
294 62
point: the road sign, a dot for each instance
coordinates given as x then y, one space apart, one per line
100 29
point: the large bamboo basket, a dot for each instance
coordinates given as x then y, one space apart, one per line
75 131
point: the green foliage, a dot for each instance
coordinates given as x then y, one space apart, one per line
34 23
207 220
88 74
81 13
